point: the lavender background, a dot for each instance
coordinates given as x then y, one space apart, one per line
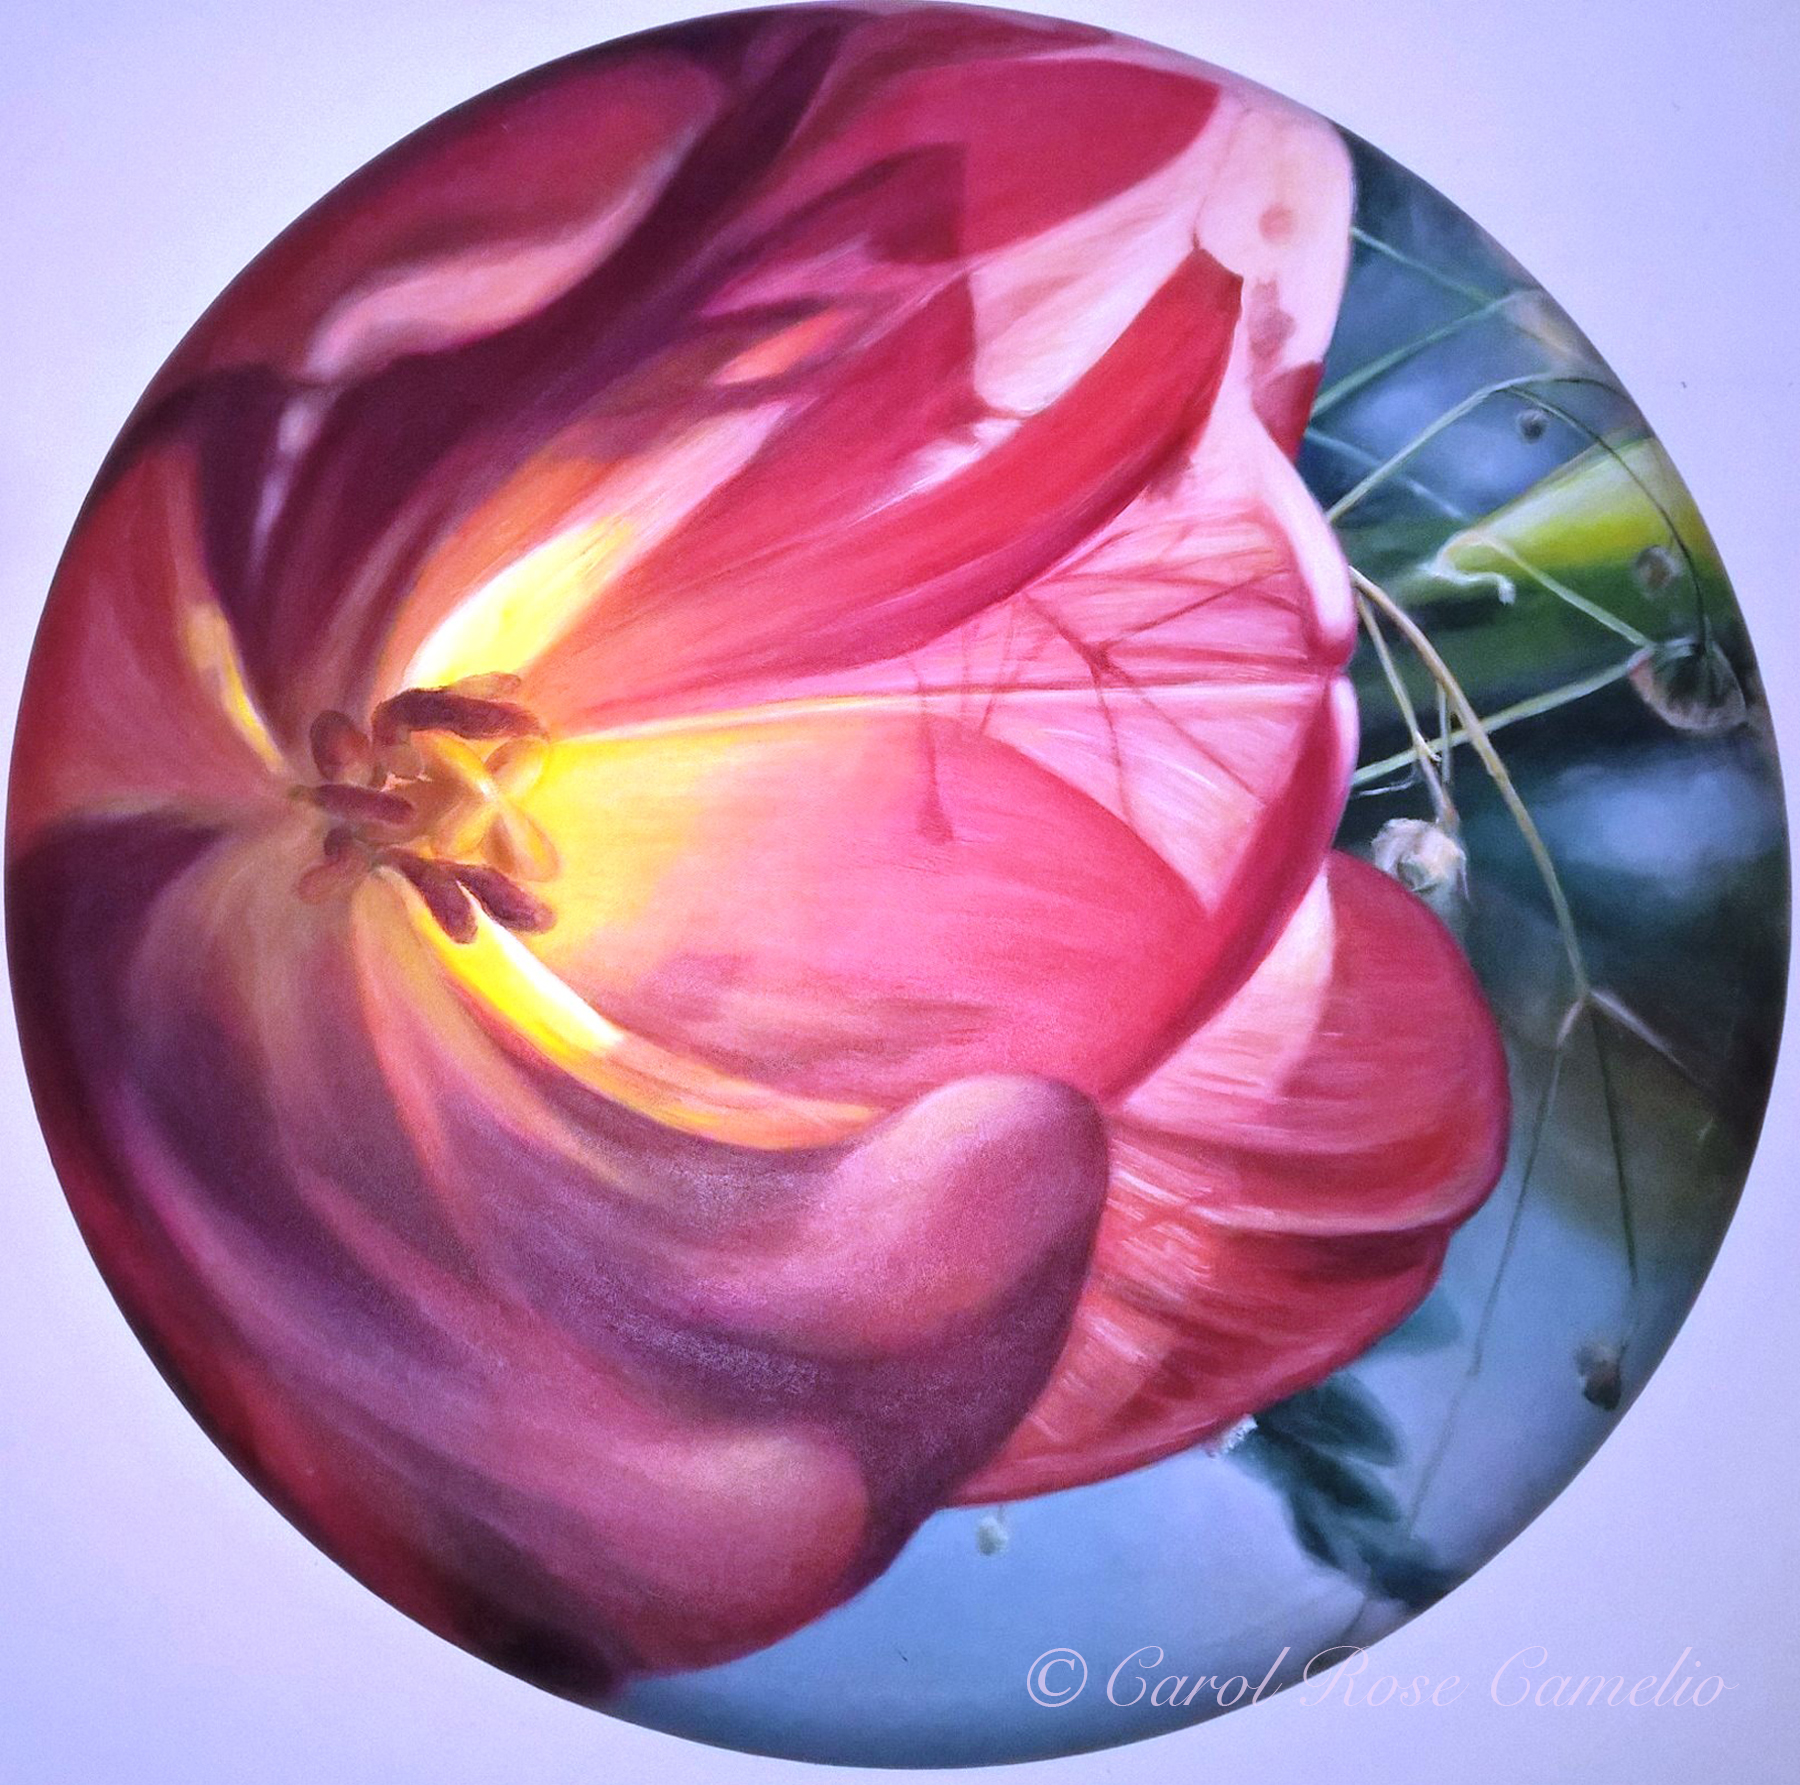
157 1620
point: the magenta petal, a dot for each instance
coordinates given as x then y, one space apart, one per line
583 1394
586 259
862 901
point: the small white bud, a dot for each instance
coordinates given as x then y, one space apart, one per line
1422 854
1600 1365
1229 1439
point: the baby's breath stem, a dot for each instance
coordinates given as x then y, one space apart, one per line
1547 702
1583 1003
1421 750
1563 593
1363 376
1412 263
1483 747
1484 1325
1395 461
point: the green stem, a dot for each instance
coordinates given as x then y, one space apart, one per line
1522 709
1421 751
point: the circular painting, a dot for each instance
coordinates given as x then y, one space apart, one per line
895 885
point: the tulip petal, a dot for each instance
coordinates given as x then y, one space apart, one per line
860 903
1275 1207
579 1391
719 611
1181 672
682 246
136 695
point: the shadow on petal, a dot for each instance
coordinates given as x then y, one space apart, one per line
584 1393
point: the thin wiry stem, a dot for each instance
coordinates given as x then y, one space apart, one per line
1484 1324
1531 381
1583 1001
1457 723
1537 573
1350 450
1440 1448
1530 708
1497 772
1537 383
1615 1134
1421 751
1561 590
1436 275
1607 1005
1595 437
1342 389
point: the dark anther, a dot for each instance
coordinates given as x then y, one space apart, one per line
502 898
339 748
362 805
444 895
447 709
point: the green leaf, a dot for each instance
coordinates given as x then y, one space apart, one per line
1337 1415
1605 510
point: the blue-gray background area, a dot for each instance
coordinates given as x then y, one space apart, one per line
161 1622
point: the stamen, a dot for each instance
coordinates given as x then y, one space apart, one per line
362 805
419 798
496 684
399 762
444 709
342 843
504 900
339 749
443 894
344 861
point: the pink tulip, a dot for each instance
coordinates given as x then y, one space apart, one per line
669 858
